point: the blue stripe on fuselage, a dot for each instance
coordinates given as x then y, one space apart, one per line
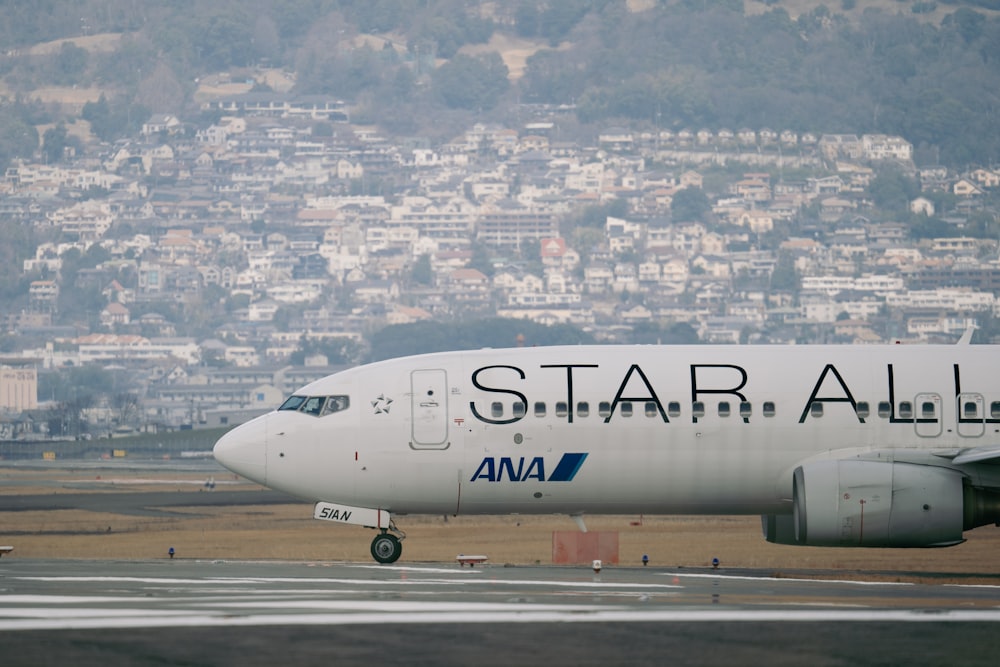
567 467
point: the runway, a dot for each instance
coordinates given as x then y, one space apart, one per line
235 612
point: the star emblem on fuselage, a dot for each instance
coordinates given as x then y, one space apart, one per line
381 404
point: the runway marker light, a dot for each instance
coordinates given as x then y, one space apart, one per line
645 560
597 566
715 563
170 551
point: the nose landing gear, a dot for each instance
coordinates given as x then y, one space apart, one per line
386 547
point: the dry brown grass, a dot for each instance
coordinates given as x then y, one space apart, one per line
288 532
68 95
102 43
514 51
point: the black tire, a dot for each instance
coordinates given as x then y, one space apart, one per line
386 548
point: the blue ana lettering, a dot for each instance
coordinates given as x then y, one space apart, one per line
522 469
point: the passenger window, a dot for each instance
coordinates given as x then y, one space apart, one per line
768 408
313 405
293 403
928 411
724 408
863 409
519 409
583 409
539 409
626 409
651 409
905 410
698 409
995 409
971 410
497 409
674 409
745 409
816 409
604 409
562 409
884 409
336 404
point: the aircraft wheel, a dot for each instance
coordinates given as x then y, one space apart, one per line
386 548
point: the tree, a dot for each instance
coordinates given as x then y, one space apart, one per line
322 130
17 137
552 20
471 82
422 273
110 121
225 38
70 64
126 406
689 204
161 90
596 216
968 23
482 260
784 277
893 189
54 143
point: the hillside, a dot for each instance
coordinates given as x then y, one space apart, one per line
923 70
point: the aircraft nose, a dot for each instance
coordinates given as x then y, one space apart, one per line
244 450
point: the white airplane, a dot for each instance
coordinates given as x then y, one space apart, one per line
872 446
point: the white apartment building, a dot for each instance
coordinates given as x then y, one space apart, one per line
297 291
925 327
453 219
543 299
943 299
884 147
113 348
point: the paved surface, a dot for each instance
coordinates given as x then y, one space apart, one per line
140 503
256 613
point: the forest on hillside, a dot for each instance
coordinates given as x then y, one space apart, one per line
679 64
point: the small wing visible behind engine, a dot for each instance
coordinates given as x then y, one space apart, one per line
971 454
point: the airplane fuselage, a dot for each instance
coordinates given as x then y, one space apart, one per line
655 429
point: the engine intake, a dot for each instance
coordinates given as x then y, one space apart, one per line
852 503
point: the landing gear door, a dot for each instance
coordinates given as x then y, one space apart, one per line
429 409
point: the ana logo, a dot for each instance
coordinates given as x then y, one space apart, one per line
521 469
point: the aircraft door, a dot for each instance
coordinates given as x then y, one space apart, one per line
971 415
429 409
927 415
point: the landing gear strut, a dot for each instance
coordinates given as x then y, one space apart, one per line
386 547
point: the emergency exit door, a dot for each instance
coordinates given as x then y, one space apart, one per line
971 415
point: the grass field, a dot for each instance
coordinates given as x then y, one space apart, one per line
288 532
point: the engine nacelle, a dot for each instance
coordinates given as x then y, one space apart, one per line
853 503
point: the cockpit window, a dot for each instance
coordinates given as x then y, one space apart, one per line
318 406
314 405
293 403
336 404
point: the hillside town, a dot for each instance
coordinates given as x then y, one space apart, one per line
287 228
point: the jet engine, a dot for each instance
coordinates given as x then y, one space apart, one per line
851 503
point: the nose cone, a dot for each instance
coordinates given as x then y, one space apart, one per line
244 450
